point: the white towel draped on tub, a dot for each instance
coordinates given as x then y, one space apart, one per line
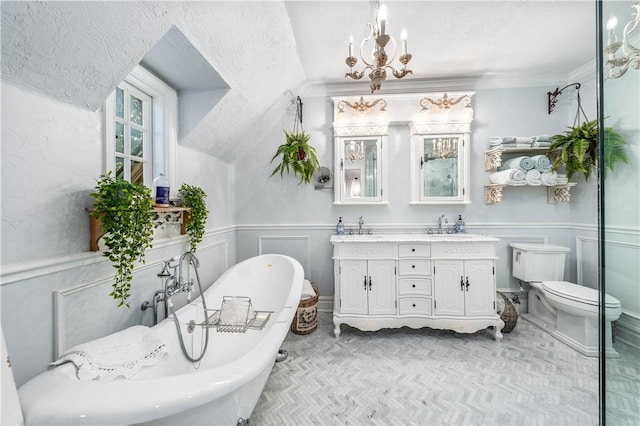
120 355
512 177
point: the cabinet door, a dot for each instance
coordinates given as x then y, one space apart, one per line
360 179
353 294
480 295
448 292
382 292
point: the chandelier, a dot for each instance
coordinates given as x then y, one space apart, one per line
354 151
379 59
630 53
443 148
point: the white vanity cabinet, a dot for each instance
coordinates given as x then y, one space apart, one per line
415 280
460 288
365 288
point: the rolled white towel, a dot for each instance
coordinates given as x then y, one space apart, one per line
307 290
524 140
532 178
513 177
523 163
541 163
541 138
549 178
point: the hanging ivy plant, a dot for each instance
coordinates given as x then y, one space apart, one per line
125 212
194 198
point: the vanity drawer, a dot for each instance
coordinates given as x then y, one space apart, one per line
421 286
414 267
414 250
365 251
414 305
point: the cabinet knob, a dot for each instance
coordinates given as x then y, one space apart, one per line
413 285
413 266
414 305
413 249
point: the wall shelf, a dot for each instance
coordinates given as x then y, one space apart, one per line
555 194
162 217
493 160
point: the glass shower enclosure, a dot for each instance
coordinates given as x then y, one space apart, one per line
619 212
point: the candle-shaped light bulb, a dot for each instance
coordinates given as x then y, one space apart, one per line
612 23
350 45
403 35
382 17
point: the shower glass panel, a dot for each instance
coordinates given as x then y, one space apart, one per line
440 167
619 222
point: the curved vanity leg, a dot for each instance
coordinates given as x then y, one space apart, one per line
497 334
336 329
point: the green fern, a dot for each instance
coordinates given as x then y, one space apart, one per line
577 149
298 157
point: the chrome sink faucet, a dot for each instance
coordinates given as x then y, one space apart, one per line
360 223
440 223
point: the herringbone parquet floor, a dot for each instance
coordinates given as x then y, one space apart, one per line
429 377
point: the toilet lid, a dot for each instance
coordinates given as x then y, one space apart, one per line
579 293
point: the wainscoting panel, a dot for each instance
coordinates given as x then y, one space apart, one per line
298 247
84 313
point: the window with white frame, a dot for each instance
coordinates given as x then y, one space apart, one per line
141 129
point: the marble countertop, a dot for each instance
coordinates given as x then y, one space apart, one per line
413 238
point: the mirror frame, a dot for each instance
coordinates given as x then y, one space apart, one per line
418 131
342 134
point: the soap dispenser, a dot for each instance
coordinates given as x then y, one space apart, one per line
340 227
459 225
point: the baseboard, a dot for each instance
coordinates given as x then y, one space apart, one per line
325 304
627 331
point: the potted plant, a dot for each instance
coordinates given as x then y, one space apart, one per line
577 149
298 157
125 212
193 197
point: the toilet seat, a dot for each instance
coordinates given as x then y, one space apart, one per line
578 293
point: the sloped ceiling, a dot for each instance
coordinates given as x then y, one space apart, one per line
77 52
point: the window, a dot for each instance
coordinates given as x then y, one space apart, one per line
141 129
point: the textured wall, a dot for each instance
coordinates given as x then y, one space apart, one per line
77 52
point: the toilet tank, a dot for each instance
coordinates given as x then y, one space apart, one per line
538 262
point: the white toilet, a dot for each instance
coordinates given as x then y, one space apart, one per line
567 311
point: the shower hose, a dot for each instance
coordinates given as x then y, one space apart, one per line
175 318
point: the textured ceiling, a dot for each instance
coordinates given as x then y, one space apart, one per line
77 52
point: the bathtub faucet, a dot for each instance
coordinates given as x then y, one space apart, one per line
179 284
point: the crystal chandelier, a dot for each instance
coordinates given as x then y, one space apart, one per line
379 59
630 52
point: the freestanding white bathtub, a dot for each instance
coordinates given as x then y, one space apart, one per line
222 389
